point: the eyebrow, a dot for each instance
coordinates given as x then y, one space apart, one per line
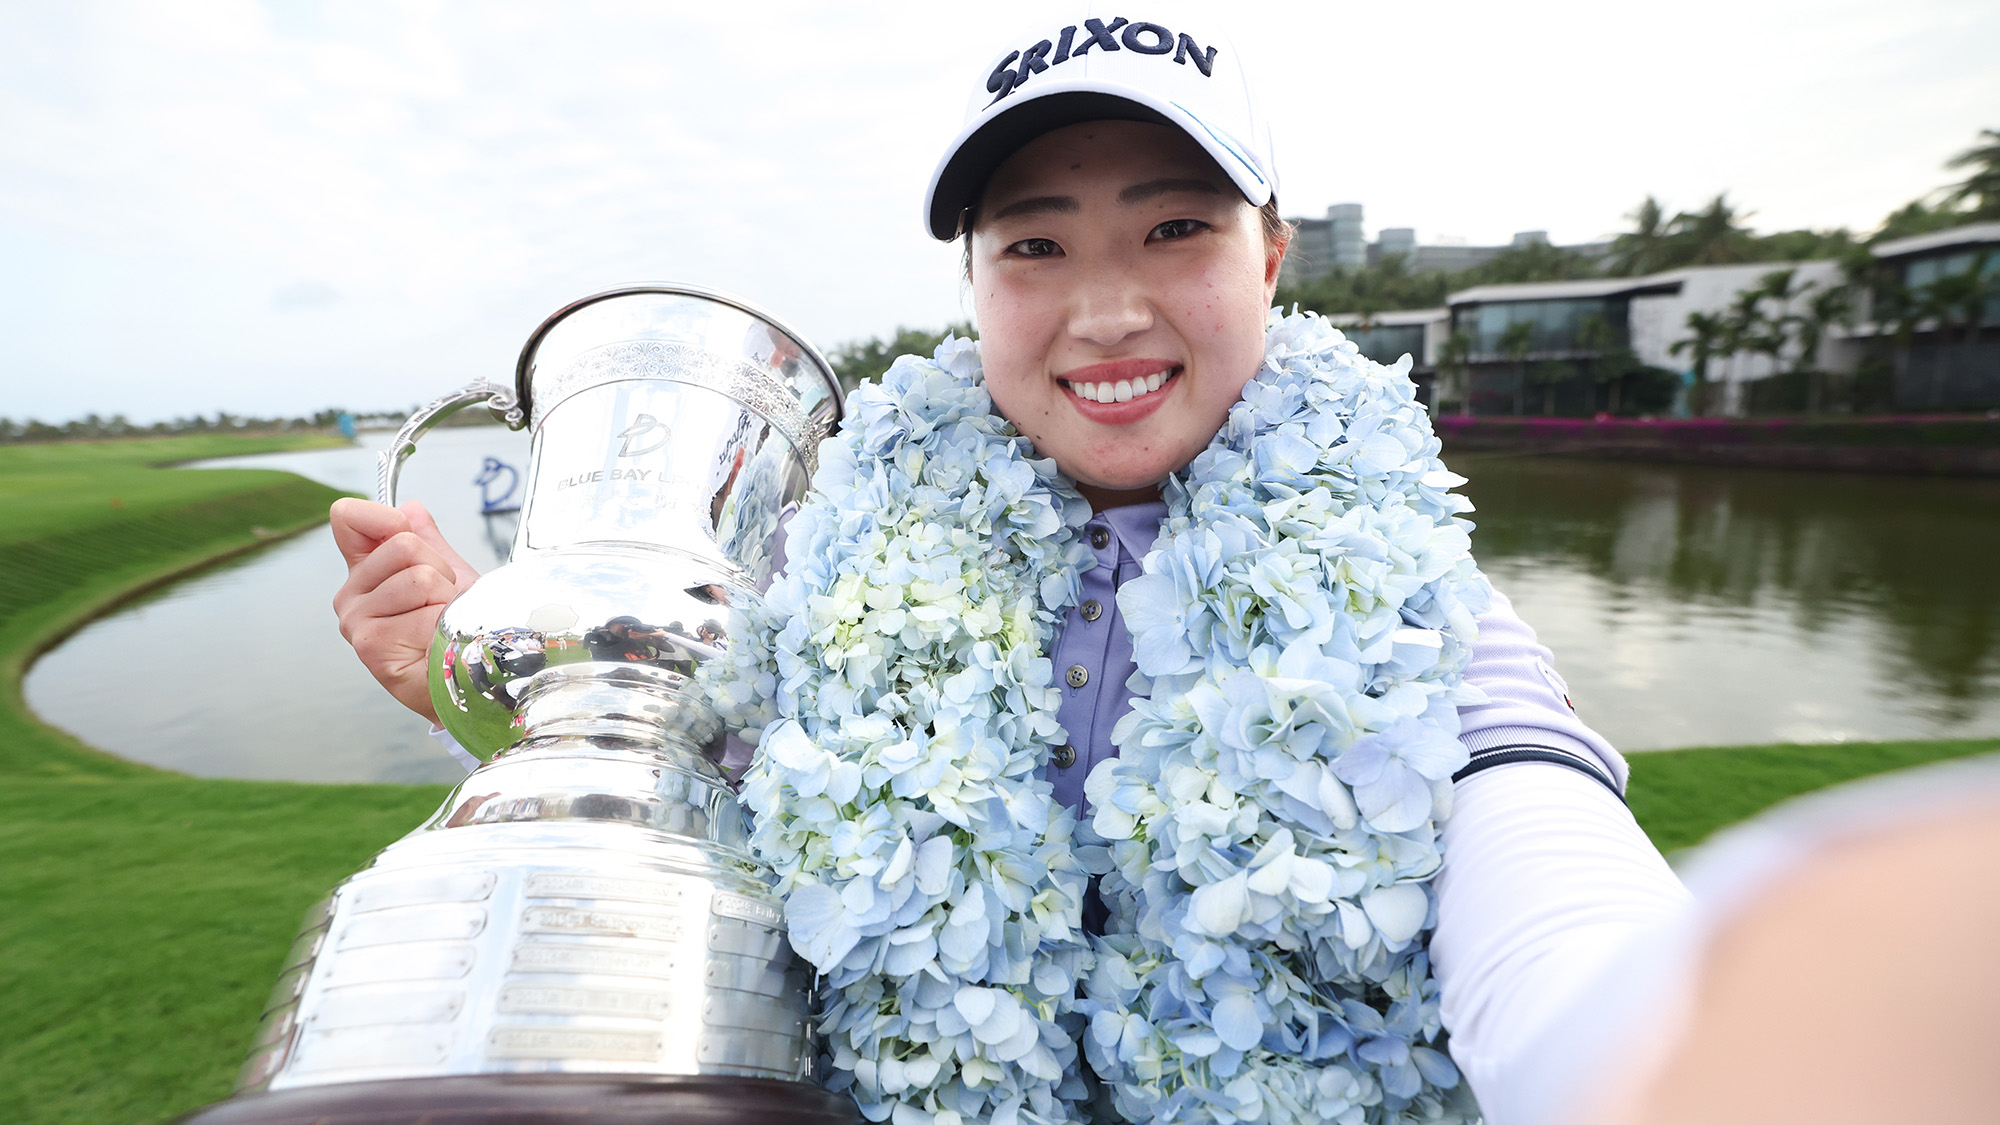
1137 193
1140 193
1039 205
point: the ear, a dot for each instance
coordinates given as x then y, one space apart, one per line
1274 260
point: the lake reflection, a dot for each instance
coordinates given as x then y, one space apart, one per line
1693 606
1686 607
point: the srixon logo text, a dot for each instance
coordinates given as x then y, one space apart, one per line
1120 34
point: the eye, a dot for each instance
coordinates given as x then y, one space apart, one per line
1034 248
1176 229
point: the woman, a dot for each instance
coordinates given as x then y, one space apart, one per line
1261 948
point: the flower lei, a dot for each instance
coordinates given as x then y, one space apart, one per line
1266 837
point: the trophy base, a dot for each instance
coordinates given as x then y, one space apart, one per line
538 1099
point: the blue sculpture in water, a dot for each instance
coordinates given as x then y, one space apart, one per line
489 477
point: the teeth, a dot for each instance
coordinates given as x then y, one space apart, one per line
1124 390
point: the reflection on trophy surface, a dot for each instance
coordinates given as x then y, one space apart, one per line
580 931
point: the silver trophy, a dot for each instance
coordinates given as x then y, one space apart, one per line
580 932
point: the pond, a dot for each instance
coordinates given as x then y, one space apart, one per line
1686 607
260 684
1692 606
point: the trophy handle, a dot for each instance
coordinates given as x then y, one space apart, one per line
500 400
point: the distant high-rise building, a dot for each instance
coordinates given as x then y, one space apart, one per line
1395 240
1319 246
1350 244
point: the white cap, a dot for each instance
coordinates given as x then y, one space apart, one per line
1119 67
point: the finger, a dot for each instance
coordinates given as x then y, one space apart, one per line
418 590
359 526
401 553
394 647
426 527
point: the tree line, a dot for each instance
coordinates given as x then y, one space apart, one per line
94 426
99 427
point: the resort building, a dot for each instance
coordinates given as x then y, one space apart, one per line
1579 326
1388 336
1934 315
1554 344
1928 333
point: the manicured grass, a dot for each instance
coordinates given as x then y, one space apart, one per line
143 922
62 486
1681 796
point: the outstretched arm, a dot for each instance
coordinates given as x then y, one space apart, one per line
1546 875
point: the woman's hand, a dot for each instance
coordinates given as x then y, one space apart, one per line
400 575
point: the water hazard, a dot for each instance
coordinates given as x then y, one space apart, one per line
247 675
1686 606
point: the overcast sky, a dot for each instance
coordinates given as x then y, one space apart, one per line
270 208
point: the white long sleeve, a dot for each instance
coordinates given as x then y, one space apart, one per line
1546 874
1528 702
1546 877
464 756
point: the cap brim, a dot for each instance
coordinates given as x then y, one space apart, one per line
972 158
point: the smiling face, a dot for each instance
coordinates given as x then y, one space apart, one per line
1121 284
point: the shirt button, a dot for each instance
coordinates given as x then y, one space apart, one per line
1100 538
1091 610
1078 675
1063 756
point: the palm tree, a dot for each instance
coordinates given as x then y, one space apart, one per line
1594 336
1454 366
1536 261
1713 236
1825 307
1981 189
1713 335
1767 335
1550 374
1515 343
1646 247
1611 369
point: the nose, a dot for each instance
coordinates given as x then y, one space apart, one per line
1109 307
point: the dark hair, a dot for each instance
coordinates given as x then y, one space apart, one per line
1277 231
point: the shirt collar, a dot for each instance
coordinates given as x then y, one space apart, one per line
1135 525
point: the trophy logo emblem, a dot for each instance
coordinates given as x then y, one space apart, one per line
640 437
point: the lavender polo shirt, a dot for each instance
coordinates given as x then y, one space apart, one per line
1093 655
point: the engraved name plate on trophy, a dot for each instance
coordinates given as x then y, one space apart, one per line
580 932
